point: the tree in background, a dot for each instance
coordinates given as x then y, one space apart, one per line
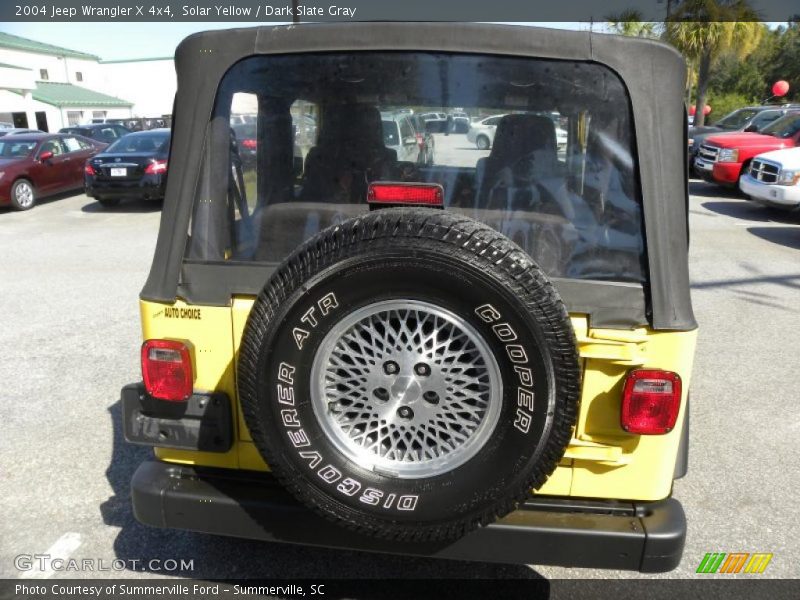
715 36
784 57
629 22
706 30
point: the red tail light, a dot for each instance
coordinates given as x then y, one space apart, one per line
420 140
249 144
167 370
426 194
89 169
155 167
650 401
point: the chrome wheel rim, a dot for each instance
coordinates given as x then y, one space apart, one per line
406 388
24 194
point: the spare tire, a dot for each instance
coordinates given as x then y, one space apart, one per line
410 374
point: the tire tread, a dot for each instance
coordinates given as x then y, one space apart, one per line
450 233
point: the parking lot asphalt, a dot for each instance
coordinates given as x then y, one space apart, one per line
69 329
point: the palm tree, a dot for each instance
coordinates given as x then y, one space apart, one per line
629 22
703 30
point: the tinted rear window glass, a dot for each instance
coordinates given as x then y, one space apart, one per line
784 127
10 148
737 119
560 178
131 144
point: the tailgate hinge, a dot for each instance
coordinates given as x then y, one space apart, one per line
626 347
592 451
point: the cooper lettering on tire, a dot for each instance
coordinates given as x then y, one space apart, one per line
411 374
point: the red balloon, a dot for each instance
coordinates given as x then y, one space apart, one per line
692 109
780 88
707 109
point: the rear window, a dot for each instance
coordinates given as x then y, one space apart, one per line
785 127
560 177
737 119
132 144
10 148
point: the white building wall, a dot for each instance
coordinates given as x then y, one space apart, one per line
149 84
85 115
19 79
59 69
11 102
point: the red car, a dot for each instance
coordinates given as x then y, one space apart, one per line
41 164
724 158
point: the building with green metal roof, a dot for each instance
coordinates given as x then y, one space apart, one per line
15 42
66 94
48 86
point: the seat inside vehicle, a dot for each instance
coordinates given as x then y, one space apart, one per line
523 154
349 152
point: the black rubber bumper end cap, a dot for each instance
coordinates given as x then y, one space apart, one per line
666 536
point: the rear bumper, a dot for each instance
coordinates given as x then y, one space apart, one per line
149 187
646 537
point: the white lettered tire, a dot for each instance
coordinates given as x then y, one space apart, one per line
411 374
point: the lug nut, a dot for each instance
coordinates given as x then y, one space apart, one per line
431 397
391 368
381 394
422 369
405 412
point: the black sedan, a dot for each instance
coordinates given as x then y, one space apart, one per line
135 166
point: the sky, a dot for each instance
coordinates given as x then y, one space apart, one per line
116 41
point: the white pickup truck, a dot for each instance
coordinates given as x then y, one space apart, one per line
773 178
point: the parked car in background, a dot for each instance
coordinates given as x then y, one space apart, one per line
434 116
17 131
143 123
246 136
481 133
725 157
399 135
773 179
561 139
35 165
107 133
435 122
427 143
750 118
305 130
460 122
135 166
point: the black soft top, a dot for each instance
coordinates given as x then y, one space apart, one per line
653 73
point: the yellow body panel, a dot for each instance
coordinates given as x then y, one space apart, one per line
602 460
207 329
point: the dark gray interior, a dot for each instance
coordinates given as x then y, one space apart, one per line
203 59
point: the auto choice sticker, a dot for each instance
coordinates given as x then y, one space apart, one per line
176 312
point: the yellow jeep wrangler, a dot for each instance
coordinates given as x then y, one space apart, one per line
363 331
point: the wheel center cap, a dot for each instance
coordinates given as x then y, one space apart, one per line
406 389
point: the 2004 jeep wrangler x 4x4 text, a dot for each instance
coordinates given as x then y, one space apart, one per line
481 356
